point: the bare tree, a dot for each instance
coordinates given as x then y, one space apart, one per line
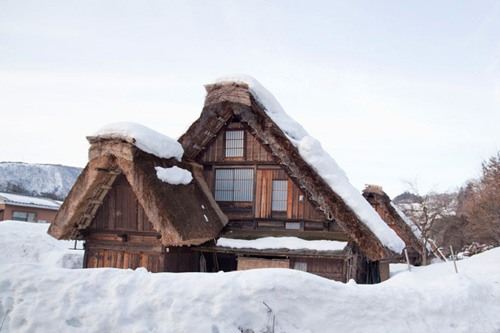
425 212
482 201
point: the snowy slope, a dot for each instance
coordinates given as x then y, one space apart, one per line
37 295
37 179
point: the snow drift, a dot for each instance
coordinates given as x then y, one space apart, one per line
37 295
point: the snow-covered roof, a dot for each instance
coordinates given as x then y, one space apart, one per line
143 138
290 243
26 201
313 153
416 231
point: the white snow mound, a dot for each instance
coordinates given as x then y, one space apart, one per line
290 243
146 139
174 175
38 296
26 242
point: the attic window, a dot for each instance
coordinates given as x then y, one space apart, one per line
234 185
234 143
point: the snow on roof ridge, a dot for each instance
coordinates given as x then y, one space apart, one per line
413 226
146 139
313 153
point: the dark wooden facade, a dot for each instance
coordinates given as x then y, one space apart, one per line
121 236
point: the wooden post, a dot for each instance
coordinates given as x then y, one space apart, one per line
216 262
453 257
407 260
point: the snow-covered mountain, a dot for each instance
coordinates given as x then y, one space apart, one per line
50 180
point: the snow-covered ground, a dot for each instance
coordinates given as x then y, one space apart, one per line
38 294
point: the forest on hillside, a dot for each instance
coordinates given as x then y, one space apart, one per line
469 216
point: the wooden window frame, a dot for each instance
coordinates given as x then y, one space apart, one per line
235 158
251 191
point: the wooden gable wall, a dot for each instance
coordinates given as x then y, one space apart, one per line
121 210
215 151
266 169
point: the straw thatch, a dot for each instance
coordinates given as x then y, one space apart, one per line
382 204
234 100
183 214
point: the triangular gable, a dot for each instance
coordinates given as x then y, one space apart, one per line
230 99
183 214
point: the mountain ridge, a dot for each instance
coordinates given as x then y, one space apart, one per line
36 179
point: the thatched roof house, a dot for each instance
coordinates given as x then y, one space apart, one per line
301 156
253 173
396 220
183 214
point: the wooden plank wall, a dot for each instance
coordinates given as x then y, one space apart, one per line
122 259
330 268
133 254
297 209
333 269
121 210
245 263
383 213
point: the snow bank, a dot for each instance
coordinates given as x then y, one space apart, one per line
23 200
174 175
26 242
146 139
290 243
311 151
35 296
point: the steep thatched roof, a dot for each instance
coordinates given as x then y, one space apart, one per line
183 214
228 100
376 196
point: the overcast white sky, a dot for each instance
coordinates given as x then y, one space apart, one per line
394 90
